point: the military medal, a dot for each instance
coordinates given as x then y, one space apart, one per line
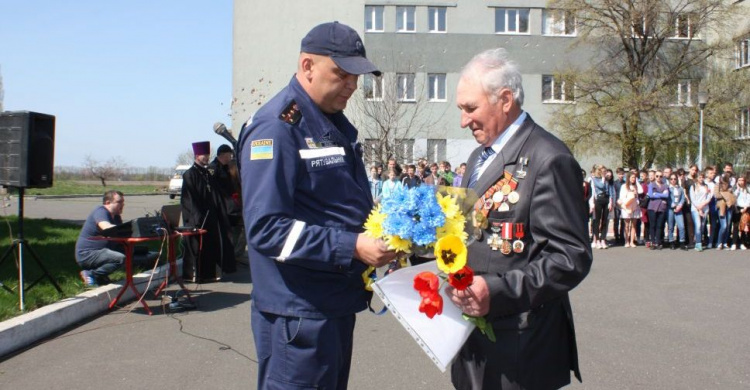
507 234
513 197
506 189
503 207
480 222
518 245
498 197
524 161
494 241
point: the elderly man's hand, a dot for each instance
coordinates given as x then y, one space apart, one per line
373 252
475 300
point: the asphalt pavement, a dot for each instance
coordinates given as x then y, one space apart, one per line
644 319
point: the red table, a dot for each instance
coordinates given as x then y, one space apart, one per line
129 242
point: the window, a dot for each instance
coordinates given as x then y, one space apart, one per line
743 128
437 19
436 150
684 26
642 23
405 19
557 90
405 87
559 22
372 151
743 52
684 93
374 18
437 87
372 87
511 21
405 151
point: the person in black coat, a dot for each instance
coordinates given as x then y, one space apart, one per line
203 207
534 248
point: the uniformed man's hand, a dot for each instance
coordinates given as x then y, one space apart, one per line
373 252
475 300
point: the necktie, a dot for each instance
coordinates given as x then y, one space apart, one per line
486 153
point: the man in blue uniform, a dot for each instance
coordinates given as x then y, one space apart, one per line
306 197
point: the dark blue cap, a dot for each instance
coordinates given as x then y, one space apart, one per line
342 44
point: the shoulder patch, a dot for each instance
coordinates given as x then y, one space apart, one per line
261 149
291 114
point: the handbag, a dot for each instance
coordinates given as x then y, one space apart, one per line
643 203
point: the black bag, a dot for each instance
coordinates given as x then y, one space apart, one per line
643 203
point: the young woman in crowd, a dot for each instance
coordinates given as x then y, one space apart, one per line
700 197
725 201
601 204
743 207
674 212
658 194
630 211
390 184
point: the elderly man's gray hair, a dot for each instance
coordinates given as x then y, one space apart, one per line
495 72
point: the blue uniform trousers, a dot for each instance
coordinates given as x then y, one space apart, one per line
302 353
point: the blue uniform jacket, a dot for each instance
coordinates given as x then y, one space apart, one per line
306 197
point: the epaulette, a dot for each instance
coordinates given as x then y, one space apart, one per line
291 114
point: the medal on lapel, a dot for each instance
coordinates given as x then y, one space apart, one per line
518 244
507 234
480 223
521 173
494 241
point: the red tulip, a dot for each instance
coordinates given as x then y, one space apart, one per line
431 305
426 283
462 279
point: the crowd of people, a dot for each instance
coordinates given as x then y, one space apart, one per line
668 208
383 181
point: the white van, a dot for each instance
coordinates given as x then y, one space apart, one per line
175 183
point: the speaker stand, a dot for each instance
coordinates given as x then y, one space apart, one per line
17 247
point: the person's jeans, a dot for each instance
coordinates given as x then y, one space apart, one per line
101 262
675 218
723 222
656 222
713 219
699 223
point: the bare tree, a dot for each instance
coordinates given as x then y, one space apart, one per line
104 171
392 111
640 91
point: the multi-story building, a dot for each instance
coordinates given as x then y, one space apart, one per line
421 45
742 54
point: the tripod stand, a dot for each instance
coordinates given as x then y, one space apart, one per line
17 247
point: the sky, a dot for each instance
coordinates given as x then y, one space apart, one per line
134 80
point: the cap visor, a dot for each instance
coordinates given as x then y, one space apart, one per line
356 65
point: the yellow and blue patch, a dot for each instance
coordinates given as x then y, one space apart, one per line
261 149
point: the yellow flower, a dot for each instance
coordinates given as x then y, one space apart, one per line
448 205
453 227
398 244
450 252
374 224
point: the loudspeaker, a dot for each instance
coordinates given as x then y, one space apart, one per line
27 149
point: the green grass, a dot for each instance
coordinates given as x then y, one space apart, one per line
54 242
72 187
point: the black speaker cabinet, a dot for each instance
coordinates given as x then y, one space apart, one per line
27 149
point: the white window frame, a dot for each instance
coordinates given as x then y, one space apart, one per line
557 88
436 149
405 87
436 15
645 27
743 123
684 93
405 151
506 14
689 18
437 87
555 23
373 15
372 87
743 52
404 15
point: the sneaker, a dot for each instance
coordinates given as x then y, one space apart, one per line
719 247
734 247
88 279
699 247
594 245
743 247
684 246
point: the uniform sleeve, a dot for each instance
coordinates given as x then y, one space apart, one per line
269 185
556 226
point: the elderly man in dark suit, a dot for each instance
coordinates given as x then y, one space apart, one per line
528 245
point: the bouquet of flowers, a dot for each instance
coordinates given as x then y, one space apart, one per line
423 218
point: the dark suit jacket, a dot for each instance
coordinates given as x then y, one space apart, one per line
529 306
